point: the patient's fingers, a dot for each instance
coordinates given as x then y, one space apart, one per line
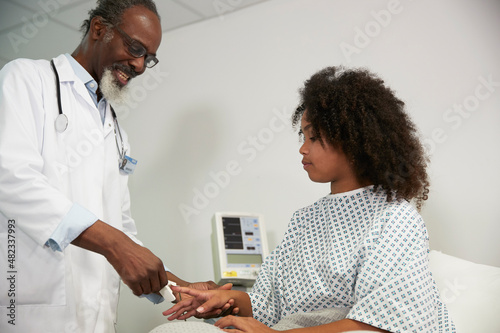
242 324
179 308
174 308
188 291
225 310
201 304
214 303
227 305
182 314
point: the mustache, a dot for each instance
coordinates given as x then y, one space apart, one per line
127 70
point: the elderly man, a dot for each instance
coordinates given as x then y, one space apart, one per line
66 232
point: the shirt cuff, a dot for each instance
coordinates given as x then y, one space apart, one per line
72 225
154 298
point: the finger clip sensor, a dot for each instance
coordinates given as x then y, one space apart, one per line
167 293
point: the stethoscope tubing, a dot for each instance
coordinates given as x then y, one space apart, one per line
61 122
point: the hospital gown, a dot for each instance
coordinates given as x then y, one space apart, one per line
354 250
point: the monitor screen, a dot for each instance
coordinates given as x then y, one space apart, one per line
244 259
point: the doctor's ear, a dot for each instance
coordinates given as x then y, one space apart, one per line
99 29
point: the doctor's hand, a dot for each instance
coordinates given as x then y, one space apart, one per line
138 267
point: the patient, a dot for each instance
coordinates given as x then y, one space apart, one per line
360 253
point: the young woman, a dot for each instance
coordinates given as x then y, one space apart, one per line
363 248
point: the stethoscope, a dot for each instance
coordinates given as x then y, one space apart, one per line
61 122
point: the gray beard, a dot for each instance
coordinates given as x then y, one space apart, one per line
111 90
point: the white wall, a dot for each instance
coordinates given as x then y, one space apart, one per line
221 84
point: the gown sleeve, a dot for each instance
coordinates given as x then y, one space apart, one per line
266 293
394 288
265 301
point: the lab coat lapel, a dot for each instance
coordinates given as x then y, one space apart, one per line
66 74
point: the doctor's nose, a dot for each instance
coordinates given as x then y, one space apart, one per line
138 65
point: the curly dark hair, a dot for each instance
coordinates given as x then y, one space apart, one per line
354 110
112 11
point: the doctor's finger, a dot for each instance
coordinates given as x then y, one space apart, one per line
163 278
135 287
146 286
156 281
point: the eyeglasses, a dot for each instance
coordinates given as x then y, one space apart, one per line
138 50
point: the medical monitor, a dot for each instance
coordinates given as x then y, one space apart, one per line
239 247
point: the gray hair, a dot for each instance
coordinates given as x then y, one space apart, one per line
112 11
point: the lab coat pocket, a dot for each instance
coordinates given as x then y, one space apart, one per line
36 274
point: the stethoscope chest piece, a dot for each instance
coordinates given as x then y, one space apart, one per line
61 122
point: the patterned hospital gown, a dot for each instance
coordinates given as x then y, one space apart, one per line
359 251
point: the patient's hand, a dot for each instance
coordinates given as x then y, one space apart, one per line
210 285
202 303
243 324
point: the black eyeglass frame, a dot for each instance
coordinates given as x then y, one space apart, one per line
137 50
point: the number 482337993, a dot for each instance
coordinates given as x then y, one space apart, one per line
11 244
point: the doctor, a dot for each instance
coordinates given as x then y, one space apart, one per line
66 234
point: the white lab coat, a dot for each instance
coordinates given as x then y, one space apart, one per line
42 173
